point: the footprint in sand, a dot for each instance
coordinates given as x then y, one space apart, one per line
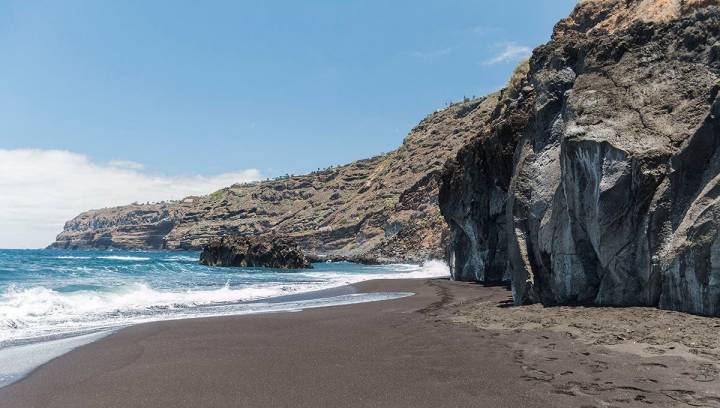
692 398
655 350
659 365
595 366
705 373
534 374
519 356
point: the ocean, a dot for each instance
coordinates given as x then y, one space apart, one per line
52 301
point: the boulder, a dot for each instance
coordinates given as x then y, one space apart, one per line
258 251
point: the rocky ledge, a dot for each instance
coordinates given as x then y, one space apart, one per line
261 251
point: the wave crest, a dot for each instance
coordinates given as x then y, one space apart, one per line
41 307
29 312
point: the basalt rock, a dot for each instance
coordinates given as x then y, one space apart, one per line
597 181
269 252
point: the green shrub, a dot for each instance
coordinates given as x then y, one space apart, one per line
516 79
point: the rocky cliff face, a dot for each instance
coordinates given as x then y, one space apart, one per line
597 182
378 210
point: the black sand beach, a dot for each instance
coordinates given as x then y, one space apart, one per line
427 350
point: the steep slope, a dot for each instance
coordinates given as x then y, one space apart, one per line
598 184
379 209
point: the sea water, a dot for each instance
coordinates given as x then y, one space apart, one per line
52 301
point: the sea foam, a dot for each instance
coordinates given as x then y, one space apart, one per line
124 258
39 311
48 295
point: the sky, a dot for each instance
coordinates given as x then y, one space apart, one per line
108 102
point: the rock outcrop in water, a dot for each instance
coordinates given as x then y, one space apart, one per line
597 180
261 251
382 209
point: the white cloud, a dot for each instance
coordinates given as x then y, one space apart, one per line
41 189
511 52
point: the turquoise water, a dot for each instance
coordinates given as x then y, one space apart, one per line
49 294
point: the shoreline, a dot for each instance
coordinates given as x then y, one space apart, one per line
427 350
48 309
28 355
21 360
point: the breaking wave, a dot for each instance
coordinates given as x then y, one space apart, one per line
124 258
66 299
40 311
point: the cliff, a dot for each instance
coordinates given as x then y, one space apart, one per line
597 182
376 210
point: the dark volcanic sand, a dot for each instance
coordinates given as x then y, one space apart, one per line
428 350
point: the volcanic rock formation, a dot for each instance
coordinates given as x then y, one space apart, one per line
597 183
263 251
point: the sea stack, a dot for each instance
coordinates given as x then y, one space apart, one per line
261 251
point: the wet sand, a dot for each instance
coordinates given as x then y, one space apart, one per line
451 345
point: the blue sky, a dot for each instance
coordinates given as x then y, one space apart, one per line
187 87
104 102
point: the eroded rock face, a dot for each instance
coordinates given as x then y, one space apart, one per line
598 183
266 251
